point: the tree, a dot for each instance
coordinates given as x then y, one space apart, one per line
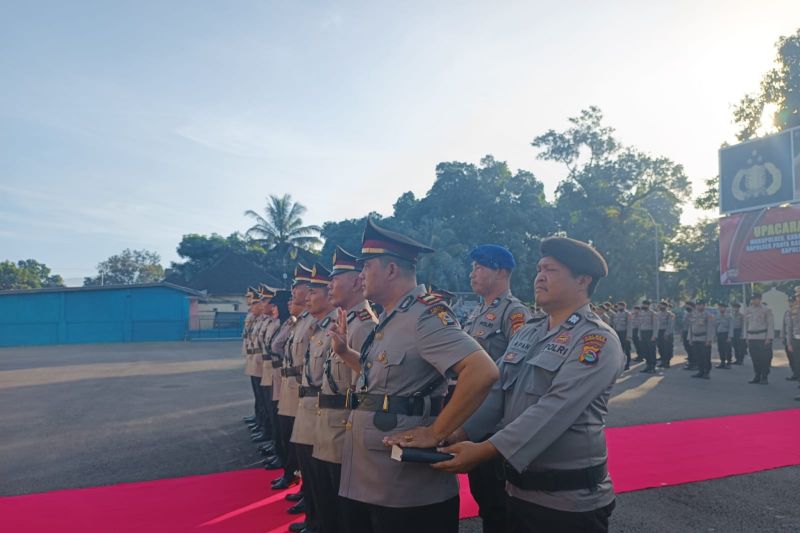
128 268
780 87
282 226
611 196
27 274
202 251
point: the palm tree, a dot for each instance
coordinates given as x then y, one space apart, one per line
282 227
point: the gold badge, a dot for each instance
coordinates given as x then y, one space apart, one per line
759 179
382 357
379 336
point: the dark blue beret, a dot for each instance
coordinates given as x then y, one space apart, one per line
493 256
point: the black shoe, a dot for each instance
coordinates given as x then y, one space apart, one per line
665 365
638 360
706 376
648 370
690 367
698 375
255 428
249 419
627 366
755 379
738 362
275 464
266 449
284 483
297 527
294 497
259 438
298 508
763 381
791 378
721 365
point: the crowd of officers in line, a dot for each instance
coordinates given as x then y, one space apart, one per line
360 358
735 331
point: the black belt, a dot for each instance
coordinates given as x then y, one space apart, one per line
291 371
757 332
556 480
251 351
332 401
400 405
277 363
309 391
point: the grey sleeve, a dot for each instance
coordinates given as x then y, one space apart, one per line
574 388
441 341
485 419
516 317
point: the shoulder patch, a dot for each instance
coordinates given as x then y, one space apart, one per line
592 344
305 314
325 322
573 320
444 314
495 302
364 315
350 316
430 298
517 320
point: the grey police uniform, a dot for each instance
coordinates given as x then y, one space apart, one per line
337 385
494 323
410 352
701 336
318 348
552 398
759 327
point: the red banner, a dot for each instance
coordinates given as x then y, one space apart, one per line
760 245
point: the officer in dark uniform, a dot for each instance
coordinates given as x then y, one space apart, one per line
400 391
492 324
552 401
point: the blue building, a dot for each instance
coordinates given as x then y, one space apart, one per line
112 313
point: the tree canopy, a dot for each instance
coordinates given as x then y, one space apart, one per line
129 267
27 274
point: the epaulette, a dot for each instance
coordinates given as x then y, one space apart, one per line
536 319
364 315
430 298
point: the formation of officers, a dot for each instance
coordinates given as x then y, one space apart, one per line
359 359
736 333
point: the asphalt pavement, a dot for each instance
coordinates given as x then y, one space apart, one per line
89 415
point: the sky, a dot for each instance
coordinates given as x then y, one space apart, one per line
129 124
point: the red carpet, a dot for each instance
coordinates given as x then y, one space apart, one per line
641 457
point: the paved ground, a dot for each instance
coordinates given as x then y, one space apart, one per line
80 416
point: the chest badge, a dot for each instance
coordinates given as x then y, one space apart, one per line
379 336
382 357
562 338
490 316
509 356
592 344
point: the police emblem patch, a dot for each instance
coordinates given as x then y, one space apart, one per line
592 344
517 320
509 356
573 319
562 338
444 315
490 316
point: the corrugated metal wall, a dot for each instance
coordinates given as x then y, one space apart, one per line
92 316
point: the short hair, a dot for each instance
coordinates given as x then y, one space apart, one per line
407 267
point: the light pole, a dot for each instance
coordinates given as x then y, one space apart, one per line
655 227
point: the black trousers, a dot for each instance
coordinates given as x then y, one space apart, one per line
702 354
329 505
367 518
261 413
794 357
280 450
724 348
665 348
310 484
648 348
290 464
739 345
626 346
489 490
636 344
527 517
266 401
761 354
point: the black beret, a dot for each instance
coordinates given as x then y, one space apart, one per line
578 256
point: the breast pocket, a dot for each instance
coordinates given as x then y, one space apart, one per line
542 370
384 364
511 367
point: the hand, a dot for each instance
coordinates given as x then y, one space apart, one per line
419 437
458 435
338 333
468 455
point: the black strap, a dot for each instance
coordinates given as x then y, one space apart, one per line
362 360
328 364
332 401
288 372
557 480
309 391
401 405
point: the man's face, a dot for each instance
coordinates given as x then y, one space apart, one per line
701 307
722 309
295 307
645 307
554 283
755 301
317 300
299 295
374 277
342 286
482 278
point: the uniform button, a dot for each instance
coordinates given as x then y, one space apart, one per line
348 426
369 365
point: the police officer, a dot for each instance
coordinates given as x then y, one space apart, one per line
275 455
686 322
552 398
253 364
724 327
622 323
345 292
648 329
635 322
401 387
269 327
492 324
702 331
666 334
759 328
250 297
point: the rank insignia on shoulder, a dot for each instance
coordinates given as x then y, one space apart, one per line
364 315
517 320
444 314
495 302
305 314
430 298
351 315
574 319
325 322
536 318
490 316
406 303
592 344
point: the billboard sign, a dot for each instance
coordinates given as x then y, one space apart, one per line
760 173
760 245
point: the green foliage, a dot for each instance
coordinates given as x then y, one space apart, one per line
128 268
695 254
282 226
27 274
780 87
202 251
